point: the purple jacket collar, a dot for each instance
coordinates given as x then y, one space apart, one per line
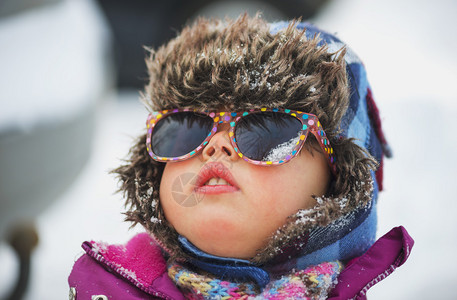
138 270
360 274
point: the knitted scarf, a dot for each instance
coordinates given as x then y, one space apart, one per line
206 276
311 283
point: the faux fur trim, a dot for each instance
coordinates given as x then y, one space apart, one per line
238 65
327 210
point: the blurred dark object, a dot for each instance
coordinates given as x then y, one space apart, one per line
11 7
55 70
23 238
144 22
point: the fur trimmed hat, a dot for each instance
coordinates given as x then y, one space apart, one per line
247 63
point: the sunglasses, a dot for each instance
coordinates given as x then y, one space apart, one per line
265 136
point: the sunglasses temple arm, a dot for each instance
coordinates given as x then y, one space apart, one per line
332 166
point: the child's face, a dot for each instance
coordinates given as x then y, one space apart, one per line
236 221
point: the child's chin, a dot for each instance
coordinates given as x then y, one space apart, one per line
224 239
229 250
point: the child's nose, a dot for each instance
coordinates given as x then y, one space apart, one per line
220 147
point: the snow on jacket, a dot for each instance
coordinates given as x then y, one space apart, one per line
138 270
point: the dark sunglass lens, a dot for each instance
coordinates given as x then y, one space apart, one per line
180 133
267 136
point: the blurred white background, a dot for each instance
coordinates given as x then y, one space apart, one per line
409 50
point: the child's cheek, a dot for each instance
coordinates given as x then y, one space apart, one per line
173 187
271 181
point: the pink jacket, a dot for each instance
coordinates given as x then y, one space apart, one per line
138 270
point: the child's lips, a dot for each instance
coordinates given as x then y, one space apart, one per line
216 189
215 178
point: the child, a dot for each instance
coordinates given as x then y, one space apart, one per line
258 175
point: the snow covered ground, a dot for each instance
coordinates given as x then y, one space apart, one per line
409 49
